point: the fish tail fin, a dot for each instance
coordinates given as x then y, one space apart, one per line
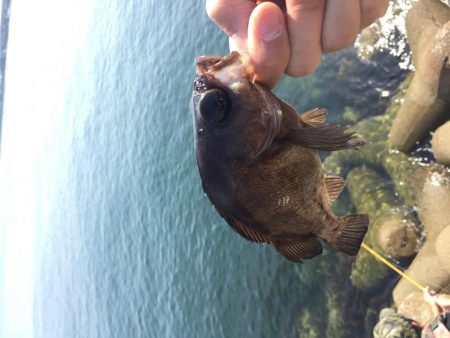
351 233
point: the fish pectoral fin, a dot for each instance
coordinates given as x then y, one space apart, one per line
299 249
243 229
314 117
325 137
333 186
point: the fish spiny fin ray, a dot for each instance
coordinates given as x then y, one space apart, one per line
333 186
351 233
298 250
314 117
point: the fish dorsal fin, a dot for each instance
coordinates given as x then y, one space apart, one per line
243 229
314 117
333 186
299 249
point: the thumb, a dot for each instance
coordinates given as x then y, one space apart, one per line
268 43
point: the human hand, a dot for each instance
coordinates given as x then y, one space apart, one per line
429 295
291 41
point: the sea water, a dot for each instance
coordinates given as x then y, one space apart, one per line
105 229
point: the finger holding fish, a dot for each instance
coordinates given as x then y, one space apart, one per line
291 36
268 43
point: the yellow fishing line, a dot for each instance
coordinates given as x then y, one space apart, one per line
393 267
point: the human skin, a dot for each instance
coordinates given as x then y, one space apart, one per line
438 302
292 40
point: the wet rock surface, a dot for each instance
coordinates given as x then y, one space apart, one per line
393 325
416 309
397 237
443 248
441 144
433 201
428 33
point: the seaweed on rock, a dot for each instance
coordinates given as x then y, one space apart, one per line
337 308
309 325
392 229
333 307
378 153
379 183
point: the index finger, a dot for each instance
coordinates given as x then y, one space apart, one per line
232 17
304 21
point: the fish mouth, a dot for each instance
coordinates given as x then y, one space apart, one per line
232 71
207 67
203 83
206 64
209 64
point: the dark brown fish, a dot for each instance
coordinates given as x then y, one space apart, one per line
259 164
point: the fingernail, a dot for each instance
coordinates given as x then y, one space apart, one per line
270 27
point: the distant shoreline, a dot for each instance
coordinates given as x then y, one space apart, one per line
4 30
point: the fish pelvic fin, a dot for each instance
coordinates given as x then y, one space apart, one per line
325 137
299 249
351 233
333 187
314 117
242 228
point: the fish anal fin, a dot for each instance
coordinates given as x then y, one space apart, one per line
351 233
243 229
333 186
326 137
299 249
314 117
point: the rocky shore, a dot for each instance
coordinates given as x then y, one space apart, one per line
421 114
428 34
401 178
426 109
407 198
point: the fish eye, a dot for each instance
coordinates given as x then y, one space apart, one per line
214 105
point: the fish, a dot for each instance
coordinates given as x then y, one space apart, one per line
259 163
